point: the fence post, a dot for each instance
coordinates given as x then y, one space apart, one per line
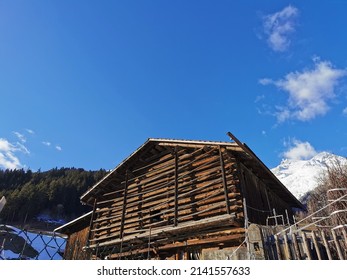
278 247
326 245
338 247
286 247
306 247
316 246
296 247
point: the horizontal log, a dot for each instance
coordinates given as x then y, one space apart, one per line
114 219
184 227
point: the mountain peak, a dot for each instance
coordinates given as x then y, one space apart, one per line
301 176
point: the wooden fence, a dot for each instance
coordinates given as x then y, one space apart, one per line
273 243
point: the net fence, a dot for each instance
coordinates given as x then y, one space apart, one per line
21 244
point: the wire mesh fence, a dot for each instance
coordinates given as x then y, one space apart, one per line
21 244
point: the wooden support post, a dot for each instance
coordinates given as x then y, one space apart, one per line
306 247
91 222
316 245
338 247
326 244
296 247
225 185
176 190
121 231
286 247
344 232
139 207
278 247
149 244
267 198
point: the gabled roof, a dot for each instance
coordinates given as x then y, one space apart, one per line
151 146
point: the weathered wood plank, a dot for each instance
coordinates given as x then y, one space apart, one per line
306 247
316 245
326 244
337 244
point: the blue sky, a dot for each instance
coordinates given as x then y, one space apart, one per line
85 83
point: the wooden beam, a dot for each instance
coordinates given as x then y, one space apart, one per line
316 245
91 221
225 186
184 227
296 247
124 205
176 190
306 247
337 244
326 244
217 241
278 248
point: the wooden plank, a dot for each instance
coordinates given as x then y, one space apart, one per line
176 190
316 245
278 248
286 247
111 229
326 244
225 186
124 204
184 227
91 221
296 247
337 244
166 213
344 232
185 244
306 247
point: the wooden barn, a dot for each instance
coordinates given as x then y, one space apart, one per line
178 199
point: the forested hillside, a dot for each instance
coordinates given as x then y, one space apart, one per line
55 192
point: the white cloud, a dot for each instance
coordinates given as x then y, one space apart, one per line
259 98
20 136
298 150
59 148
344 111
8 157
46 143
30 131
279 26
309 91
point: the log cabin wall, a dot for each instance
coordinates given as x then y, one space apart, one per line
261 200
174 190
74 249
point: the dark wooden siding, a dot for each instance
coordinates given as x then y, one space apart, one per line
75 244
177 187
260 199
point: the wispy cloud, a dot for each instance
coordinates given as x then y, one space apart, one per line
309 91
30 131
8 154
279 26
20 136
46 143
298 150
49 144
344 111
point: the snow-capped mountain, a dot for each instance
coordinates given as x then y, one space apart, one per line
300 176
